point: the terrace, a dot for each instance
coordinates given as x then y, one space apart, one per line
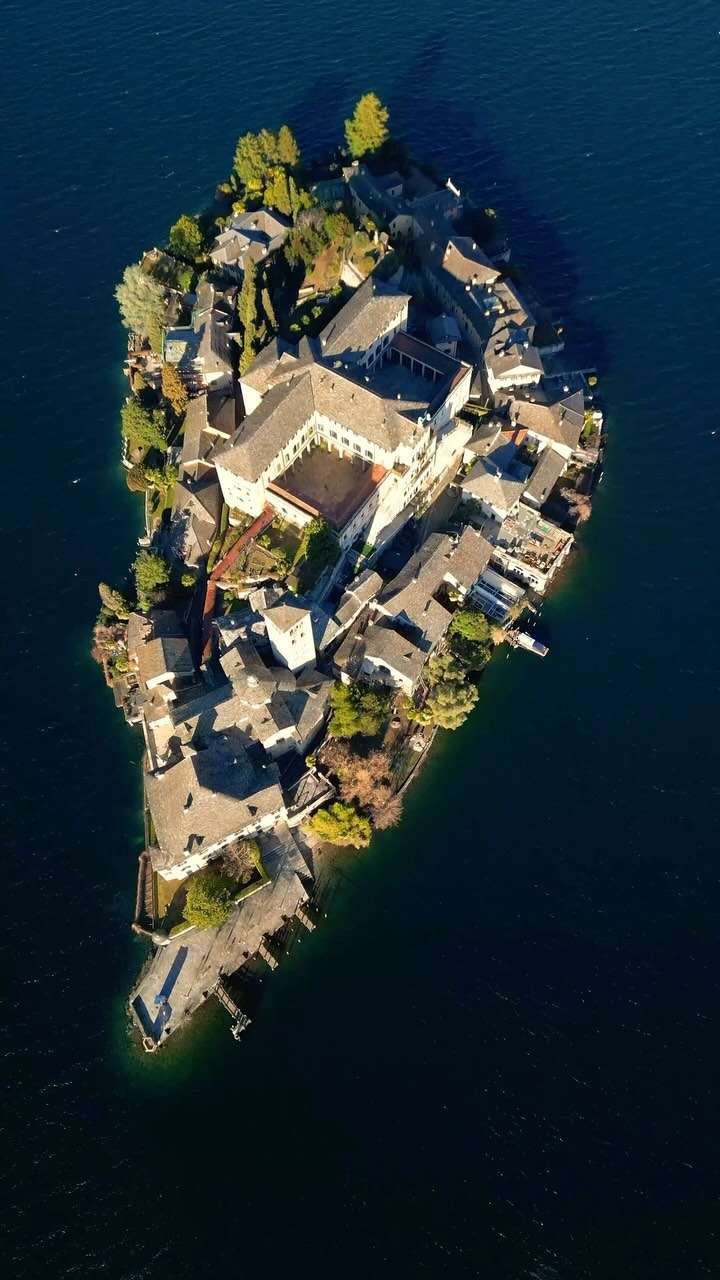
526 536
325 484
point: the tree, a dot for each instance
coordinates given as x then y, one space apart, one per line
450 703
173 389
443 666
241 859
389 816
143 426
288 151
136 478
142 304
319 546
247 311
366 130
341 824
249 163
357 708
268 144
298 199
209 901
152 573
471 637
114 601
277 192
363 778
339 228
163 478
307 239
186 239
268 309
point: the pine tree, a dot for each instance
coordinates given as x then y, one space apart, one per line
281 193
288 151
249 164
268 145
366 130
248 354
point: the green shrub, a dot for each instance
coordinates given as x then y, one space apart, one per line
209 901
357 708
341 824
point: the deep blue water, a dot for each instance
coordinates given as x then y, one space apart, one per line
498 1057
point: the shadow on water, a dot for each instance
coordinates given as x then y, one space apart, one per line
453 137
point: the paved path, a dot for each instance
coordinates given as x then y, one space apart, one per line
265 518
182 975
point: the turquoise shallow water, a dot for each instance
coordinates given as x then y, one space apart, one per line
498 1055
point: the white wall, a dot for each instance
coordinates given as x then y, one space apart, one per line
388 675
294 648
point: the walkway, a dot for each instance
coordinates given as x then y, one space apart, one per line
265 518
189 966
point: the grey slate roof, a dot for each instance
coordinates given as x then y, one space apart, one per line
196 421
463 261
389 648
487 482
435 561
509 352
283 411
206 798
370 311
165 654
253 234
550 467
366 586
443 329
286 613
470 557
561 421
409 591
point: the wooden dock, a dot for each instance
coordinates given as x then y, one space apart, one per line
304 916
240 1020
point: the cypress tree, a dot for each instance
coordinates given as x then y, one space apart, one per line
268 309
247 306
294 197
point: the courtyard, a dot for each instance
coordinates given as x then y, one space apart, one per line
327 485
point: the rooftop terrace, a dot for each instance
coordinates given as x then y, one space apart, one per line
532 539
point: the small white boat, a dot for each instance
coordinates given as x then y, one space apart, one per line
524 641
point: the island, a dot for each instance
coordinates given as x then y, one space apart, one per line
363 454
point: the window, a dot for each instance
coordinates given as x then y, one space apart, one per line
368 453
333 435
344 439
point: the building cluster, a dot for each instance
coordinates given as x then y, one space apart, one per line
362 426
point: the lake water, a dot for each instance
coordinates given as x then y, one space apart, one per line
498 1057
